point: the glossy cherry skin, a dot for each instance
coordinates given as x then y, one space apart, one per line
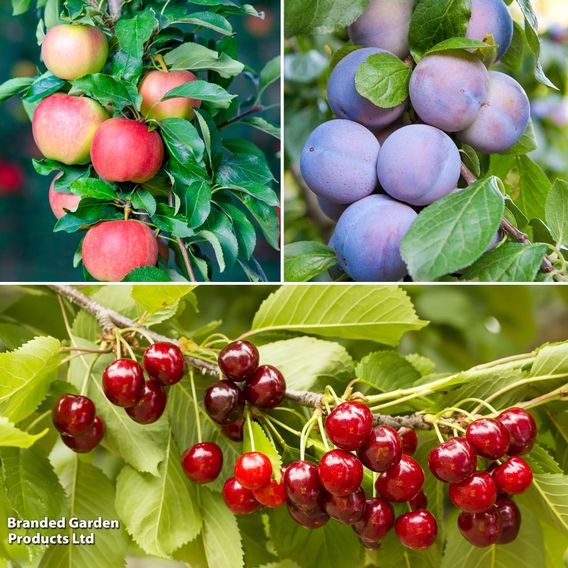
234 430
489 438
340 472
87 441
224 402
513 477
510 520
253 470
164 362
266 387
475 494
272 495
402 481
377 520
382 450
419 501
453 461
238 360
409 440
73 414
123 382
151 404
202 462
349 425
522 430
481 529
239 499
308 518
347 510
302 484
417 530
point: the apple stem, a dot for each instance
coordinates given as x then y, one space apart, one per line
159 59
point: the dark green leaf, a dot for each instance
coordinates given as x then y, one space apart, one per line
265 216
511 262
13 87
147 274
43 86
306 259
182 139
87 214
453 232
108 90
203 91
143 199
242 169
166 220
244 229
95 188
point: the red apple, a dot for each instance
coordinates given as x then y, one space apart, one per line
64 126
126 150
73 51
60 201
112 249
156 84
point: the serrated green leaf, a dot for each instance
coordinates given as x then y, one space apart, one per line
160 513
308 363
383 79
376 313
198 57
11 436
158 298
305 260
91 495
453 232
512 262
26 374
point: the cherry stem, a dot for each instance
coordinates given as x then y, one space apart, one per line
438 433
140 332
479 401
306 433
322 433
282 425
249 428
279 438
195 405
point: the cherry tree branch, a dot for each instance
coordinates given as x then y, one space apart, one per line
506 226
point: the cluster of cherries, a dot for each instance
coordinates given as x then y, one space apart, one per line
489 516
124 385
262 386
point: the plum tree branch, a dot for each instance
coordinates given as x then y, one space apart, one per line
506 226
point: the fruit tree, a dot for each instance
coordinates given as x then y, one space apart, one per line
279 443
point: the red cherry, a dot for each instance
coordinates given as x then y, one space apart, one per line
202 462
489 438
453 460
266 387
382 450
308 518
510 520
409 440
73 414
475 494
239 499
349 425
377 520
238 360
151 404
347 510
480 529
522 430
272 495
340 472
123 382
88 440
513 477
164 362
417 530
402 481
234 430
224 402
253 470
419 501
302 484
